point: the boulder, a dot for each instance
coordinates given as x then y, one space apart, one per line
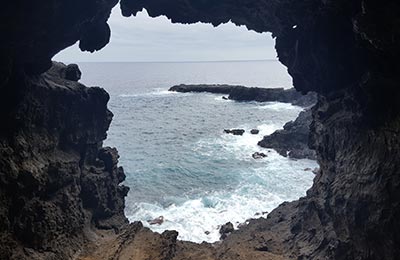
255 131
73 73
258 155
226 229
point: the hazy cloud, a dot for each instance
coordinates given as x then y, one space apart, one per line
142 38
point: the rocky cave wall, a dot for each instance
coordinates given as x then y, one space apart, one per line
347 51
57 182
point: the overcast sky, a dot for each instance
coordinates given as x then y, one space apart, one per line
142 38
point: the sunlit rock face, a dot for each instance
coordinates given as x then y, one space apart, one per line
57 181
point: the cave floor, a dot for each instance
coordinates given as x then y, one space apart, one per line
139 243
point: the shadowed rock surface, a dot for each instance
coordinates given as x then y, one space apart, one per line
241 93
56 179
293 139
57 184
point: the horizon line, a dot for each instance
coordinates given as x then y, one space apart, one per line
188 61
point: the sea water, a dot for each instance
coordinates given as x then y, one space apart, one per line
178 161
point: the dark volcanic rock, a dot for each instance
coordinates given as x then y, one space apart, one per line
273 94
240 93
293 140
226 229
255 131
56 180
217 89
234 131
258 155
72 72
46 29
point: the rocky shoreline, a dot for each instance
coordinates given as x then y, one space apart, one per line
293 140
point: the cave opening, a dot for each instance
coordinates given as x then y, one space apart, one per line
179 162
60 189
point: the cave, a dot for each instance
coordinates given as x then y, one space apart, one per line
60 187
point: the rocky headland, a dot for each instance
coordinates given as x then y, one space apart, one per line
59 188
241 93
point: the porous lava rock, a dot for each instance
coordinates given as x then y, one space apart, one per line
56 179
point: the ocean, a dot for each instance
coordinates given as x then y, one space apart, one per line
179 163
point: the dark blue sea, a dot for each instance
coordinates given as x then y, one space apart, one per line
179 163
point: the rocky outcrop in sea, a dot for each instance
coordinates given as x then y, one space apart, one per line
293 140
241 93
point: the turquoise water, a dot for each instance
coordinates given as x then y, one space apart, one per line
179 163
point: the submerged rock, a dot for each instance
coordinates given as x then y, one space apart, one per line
156 221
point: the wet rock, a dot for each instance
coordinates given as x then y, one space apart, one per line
258 155
226 229
293 140
316 170
213 88
241 93
156 221
235 131
255 131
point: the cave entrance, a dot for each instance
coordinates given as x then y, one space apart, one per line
179 162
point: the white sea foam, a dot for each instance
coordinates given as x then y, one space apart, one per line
199 219
261 189
240 146
278 106
157 92
220 99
